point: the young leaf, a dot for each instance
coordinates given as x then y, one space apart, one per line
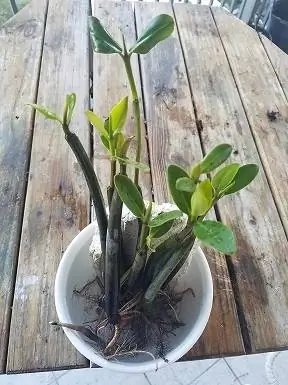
216 157
105 142
126 146
202 198
157 232
224 177
182 199
162 218
70 102
130 195
48 114
97 122
141 166
185 184
159 29
244 176
102 41
118 114
216 235
118 140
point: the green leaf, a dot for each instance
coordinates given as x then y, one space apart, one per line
48 114
216 235
196 171
244 176
159 29
215 158
102 41
182 199
70 103
224 177
185 184
202 199
142 166
97 122
118 114
118 140
105 142
162 218
130 195
157 232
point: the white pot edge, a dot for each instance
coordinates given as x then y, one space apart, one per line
87 351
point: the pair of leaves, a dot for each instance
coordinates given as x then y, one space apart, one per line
159 29
68 110
131 197
212 160
233 178
216 235
110 129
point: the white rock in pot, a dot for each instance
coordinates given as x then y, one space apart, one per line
130 228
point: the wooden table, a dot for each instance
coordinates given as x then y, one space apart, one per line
214 81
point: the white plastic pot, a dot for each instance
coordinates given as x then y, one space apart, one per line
76 269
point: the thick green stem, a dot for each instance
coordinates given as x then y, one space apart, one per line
175 261
136 112
141 255
92 182
112 259
110 188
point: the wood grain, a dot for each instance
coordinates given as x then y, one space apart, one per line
173 138
110 84
279 61
20 54
57 204
259 268
262 95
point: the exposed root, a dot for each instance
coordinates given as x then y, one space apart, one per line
113 340
87 331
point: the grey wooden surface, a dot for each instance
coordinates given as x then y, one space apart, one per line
215 80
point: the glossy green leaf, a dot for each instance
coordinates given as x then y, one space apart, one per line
97 122
202 199
216 235
157 232
162 218
244 176
159 29
185 184
142 166
48 114
182 199
70 103
102 41
118 140
118 114
224 177
215 158
196 171
105 142
130 195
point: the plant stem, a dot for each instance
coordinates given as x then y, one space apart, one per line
136 111
110 188
112 259
92 182
141 255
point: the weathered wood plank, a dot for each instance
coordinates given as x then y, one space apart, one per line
262 95
110 84
279 60
173 138
57 204
20 54
260 265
